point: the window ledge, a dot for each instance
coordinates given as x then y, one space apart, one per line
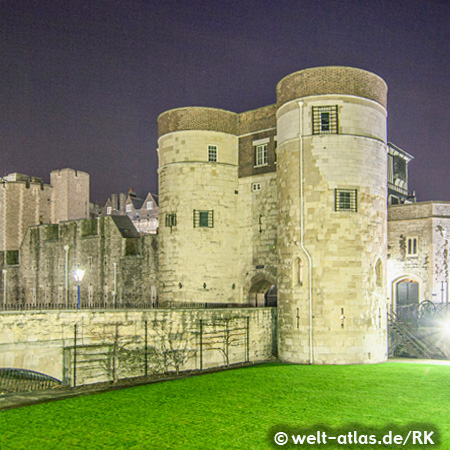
260 165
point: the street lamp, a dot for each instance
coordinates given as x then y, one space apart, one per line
78 274
66 275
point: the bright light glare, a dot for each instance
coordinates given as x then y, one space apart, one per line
445 327
78 274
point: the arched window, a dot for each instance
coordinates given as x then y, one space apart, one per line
298 272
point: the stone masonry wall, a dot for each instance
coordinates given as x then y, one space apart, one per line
43 341
429 223
95 245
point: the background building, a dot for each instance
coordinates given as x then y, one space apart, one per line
142 212
27 201
418 252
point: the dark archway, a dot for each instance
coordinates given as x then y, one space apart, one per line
262 293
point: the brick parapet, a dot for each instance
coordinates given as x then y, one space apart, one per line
198 118
258 119
332 80
421 210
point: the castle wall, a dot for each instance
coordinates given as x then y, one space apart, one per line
43 341
70 195
331 272
257 234
22 204
96 245
198 260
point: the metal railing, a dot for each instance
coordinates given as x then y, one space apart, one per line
20 380
126 306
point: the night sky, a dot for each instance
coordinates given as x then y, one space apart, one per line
83 81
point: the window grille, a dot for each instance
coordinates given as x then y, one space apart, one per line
345 200
171 220
325 119
412 247
212 153
203 219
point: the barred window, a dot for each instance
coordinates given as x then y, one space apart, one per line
412 247
203 219
212 153
171 220
325 119
261 155
345 200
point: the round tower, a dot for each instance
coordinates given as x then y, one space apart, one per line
198 182
332 195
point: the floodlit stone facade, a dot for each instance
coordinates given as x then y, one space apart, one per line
418 252
291 195
286 203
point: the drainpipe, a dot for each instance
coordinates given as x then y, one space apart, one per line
66 276
302 231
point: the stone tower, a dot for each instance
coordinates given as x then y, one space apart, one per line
198 187
70 194
332 195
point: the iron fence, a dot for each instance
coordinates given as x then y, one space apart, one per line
122 306
20 380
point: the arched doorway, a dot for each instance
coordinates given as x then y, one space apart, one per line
262 293
407 296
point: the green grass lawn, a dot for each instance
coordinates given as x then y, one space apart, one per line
238 409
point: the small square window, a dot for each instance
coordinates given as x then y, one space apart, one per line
256 187
325 119
261 155
128 208
203 219
149 205
212 153
108 210
412 248
345 200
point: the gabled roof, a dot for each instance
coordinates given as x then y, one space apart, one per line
137 202
151 197
125 226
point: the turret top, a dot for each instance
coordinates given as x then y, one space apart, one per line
332 80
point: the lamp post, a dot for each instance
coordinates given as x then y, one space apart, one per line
66 275
115 284
78 274
4 272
